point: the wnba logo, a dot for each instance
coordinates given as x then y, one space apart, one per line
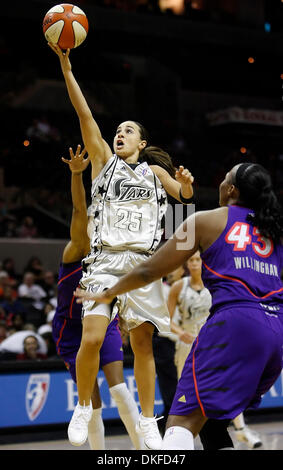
36 394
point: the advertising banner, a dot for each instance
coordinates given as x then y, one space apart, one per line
50 397
35 398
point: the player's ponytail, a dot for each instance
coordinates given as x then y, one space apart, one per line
155 155
256 192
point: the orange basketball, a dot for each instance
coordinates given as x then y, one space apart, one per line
65 25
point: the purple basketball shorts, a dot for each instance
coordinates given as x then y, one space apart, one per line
67 335
235 359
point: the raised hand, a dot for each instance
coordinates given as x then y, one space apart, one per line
77 163
186 337
63 56
83 295
183 176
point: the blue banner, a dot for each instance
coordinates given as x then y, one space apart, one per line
50 397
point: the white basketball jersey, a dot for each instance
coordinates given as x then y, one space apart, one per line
128 204
193 307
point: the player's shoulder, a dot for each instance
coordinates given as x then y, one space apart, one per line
217 212
177 287
207 217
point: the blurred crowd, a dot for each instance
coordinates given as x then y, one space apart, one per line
219 11
28 302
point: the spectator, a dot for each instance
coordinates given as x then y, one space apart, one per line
30 290
29 327
49 311
8 265
28 228
34 266
13 345
31 347
10 304
10 227
48 308
4 281
50 344
3 331
42 130
18 322
49 285
2 314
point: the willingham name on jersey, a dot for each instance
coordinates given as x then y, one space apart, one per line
247 262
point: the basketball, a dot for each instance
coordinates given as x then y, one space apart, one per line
65 25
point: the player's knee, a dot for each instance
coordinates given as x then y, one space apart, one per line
142 346
92 342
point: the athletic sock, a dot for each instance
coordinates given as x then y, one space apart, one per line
96 437
239 422
178 438
128 412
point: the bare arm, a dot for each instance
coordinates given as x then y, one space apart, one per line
78 245
172 303
99 152
198 232
168 258
183 182
174 292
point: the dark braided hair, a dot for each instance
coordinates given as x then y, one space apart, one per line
256 192
155 155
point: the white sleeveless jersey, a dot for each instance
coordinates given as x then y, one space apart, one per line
193 307
128 204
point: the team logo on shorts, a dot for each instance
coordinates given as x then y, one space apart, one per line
182 399
36 394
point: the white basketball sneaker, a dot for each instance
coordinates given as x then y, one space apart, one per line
249 437
148 429
78 427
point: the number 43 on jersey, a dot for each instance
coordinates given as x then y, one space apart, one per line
239 236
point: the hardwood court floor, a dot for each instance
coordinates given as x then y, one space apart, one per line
271 434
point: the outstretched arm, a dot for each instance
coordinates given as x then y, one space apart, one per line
178 188
198 232
78 245
99 152
184 243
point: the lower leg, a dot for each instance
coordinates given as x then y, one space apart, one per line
96 435
128 412
239 421
87 362
214 435
181 430
144 366
127 407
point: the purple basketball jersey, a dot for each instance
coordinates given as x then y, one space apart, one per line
69 278
247 264
237 355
